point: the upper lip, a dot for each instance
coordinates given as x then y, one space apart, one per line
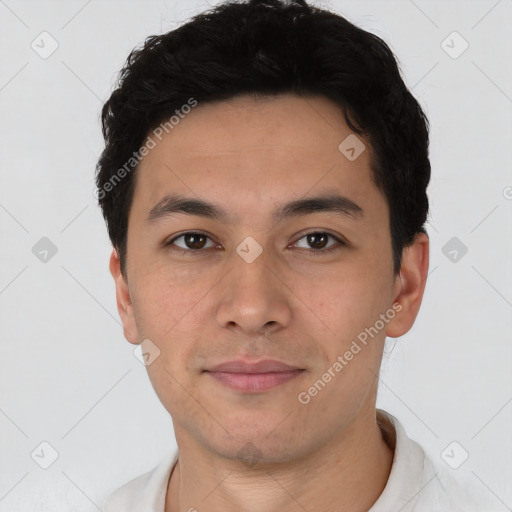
263 366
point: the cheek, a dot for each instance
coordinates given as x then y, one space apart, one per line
162 300
350 306
169 310
347 301
175 392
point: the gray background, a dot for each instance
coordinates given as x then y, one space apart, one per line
67 375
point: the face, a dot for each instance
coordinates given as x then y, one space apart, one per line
250 285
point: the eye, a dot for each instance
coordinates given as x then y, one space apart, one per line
317 241
192 240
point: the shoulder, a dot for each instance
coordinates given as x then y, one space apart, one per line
441 492
124 496
145 492
415 483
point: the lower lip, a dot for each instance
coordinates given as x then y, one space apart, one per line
254 382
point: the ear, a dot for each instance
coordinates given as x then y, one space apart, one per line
409 286
124 304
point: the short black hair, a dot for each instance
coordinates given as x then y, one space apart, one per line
268 48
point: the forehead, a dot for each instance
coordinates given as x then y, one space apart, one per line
256 153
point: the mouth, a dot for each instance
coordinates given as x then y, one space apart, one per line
253 377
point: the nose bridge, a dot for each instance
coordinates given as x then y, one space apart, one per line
252 296
250 269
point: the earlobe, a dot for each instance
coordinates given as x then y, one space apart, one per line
409 286
123 299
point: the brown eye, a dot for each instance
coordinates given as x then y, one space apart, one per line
317 242
192 241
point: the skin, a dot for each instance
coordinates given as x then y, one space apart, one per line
250 155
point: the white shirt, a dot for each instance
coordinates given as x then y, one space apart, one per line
414 484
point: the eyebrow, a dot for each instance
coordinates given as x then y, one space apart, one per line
329 203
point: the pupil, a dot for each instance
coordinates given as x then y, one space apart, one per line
317 235
190 241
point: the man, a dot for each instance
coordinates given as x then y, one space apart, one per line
264 187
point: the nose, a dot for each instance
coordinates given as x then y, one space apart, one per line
253 297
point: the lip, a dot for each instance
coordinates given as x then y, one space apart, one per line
242 366
252 377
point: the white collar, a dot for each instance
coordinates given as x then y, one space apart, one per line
413 484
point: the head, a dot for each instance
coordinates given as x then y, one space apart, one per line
244 226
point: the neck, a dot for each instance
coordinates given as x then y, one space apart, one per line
348 474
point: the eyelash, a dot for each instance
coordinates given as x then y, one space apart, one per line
312 252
